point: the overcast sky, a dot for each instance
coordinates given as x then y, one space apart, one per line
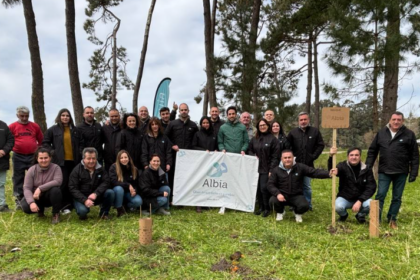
176 50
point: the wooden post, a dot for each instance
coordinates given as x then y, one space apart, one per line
374 219
334 178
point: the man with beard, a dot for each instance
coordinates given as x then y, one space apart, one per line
216 122
91 132
111 135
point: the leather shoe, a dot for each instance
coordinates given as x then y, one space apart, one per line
393 224
265 214
258 212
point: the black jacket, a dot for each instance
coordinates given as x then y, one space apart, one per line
289 184
171 118
53 139
7 140
160 146
131 140
267 149
205 140
127 178
216 125
351 188
92 137
397 155
283 143
150 182
81 185
306 145
111 137
181 133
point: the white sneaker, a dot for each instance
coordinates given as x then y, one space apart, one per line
298 218
65 212
222 211
280 216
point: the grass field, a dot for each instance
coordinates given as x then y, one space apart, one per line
188 245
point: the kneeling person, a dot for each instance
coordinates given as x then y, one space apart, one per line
41 187
356 186
89 186
286 185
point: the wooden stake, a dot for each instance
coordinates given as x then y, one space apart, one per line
374 219
333 188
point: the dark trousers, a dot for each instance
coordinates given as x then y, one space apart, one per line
299 203
21 163
66 170
52 197
171 176
263 196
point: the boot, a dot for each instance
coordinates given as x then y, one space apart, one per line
198 209
55 219
121 211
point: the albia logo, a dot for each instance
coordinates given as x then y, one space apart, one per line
217 170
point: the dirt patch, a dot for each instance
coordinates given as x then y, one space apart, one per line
232 267
25 274
222 265
339 229
172 243
387 234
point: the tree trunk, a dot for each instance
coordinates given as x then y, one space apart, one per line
36 65
76 93
253 49
143 56
205 102
210 88
316 77
309 85
375 116
114 70
392 55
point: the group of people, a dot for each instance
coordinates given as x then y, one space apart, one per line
129 163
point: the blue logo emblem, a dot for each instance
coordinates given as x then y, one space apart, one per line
181 153
217 170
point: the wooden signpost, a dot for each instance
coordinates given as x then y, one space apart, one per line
335 117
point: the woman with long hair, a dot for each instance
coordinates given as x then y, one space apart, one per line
42 186
204 139
154 187
66 143
124 178
156 142
266 148
278 132
132 138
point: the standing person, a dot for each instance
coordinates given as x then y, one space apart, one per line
111 136
307 144
132 138
356 185
278 132
269 116
91 132
181 133
89 185
67 143
245 119
154 188
398 158
232 137
286 185
266 148
6 145
216 122
28 137
205 139
166 116
144 119
124 177
156 142
42 186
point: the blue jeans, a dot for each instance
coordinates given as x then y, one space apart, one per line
398 184
107 201
121 196
342 204
307 190
163 201
2 187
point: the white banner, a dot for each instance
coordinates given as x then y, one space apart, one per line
215 180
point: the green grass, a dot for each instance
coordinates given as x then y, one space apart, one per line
187 244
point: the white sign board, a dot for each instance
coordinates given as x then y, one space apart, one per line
215 180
